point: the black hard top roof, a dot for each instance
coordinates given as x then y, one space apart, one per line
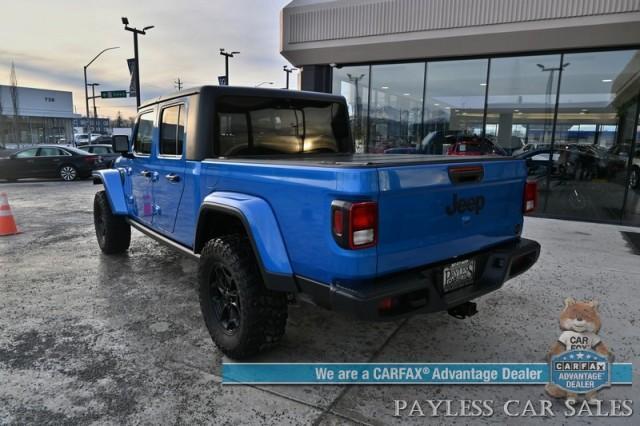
245 91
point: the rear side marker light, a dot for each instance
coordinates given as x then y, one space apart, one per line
530 197
354 224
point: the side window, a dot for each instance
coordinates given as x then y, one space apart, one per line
27 154
172 137
234 134
51 152
142 143
100 150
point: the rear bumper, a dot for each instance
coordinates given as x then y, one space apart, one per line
420 290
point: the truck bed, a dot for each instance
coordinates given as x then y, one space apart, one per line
358 160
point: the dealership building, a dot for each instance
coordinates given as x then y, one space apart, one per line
43 116
556 82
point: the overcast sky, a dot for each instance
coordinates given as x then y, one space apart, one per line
51 41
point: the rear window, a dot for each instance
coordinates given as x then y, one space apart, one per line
265 126
100 150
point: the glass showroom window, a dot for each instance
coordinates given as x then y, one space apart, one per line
521 102
454 106
632 206
353 84
594 135
395 112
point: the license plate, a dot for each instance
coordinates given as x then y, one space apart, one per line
458 274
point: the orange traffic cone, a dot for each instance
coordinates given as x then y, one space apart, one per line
7 223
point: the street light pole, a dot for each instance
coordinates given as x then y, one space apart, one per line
288 71
136 69
227 55
86 93
93 97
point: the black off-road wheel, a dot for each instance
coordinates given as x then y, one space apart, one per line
113 232
243 316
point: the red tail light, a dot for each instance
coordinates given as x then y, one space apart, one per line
530 197
355 225
90 159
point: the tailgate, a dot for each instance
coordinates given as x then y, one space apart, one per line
426 215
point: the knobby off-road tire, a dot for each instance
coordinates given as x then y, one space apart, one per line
113 232
243 316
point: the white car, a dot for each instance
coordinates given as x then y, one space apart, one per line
84 138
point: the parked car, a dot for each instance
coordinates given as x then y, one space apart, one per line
49 161
513 145
538 161
270 198
474 145
106 153
430 144
85 139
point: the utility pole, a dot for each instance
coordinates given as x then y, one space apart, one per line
93 98
227 55
86 93
13 89
178 84
136 70
358 110
288 71
551 71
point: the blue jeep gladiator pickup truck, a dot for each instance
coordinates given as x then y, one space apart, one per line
263 187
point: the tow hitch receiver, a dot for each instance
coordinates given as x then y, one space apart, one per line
467 309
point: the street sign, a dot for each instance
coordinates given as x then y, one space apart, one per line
222 80
131 63
113 94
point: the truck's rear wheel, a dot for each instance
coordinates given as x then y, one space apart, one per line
113 232
243 316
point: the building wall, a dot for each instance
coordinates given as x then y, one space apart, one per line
37 102
556 82
324 32
44 116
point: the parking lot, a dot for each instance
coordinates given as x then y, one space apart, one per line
89 338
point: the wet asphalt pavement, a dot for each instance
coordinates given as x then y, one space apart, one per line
87 338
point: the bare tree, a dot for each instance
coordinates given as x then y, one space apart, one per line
13 82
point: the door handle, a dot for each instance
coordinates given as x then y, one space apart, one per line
172 178
145 173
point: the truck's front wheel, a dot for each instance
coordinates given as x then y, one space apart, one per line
113 232
243 316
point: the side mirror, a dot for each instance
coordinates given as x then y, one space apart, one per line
120 144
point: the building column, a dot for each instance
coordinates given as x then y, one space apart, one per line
315 78
505 123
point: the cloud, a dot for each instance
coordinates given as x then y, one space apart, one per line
52 41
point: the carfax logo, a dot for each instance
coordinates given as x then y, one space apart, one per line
580 372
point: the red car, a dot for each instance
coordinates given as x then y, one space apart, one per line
474 145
